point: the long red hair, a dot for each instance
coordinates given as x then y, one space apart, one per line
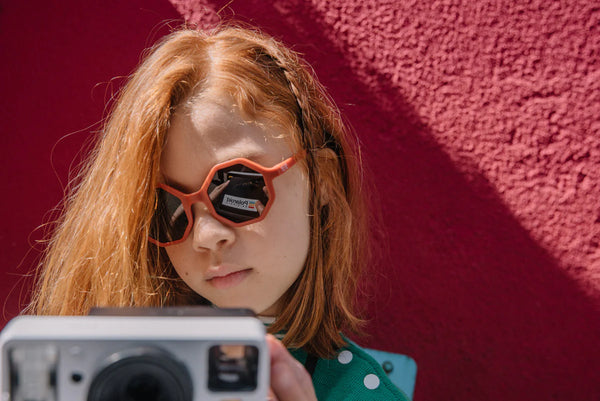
99 254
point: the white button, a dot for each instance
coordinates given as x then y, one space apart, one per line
371 382
345 357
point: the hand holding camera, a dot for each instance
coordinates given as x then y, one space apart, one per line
289 380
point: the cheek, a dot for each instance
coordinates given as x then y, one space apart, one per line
291 221
174 258
179 259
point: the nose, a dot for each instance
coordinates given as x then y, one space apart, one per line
209 233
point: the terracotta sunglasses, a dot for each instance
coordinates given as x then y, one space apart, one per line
236 193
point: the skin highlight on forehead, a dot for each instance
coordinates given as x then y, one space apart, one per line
213 117
213 127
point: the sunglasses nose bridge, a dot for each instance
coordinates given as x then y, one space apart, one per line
198 200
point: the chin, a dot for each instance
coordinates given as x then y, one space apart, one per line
265 310
238 305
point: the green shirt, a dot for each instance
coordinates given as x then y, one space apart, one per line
351 375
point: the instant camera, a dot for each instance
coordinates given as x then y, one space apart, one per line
135 354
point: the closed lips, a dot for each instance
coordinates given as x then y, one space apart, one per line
223 280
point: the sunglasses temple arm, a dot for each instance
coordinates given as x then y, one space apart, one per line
289 163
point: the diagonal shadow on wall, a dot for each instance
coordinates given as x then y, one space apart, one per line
486 312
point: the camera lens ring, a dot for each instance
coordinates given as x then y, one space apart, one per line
142 373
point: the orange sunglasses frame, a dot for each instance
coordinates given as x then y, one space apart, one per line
201 195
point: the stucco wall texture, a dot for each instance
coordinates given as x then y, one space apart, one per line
480 126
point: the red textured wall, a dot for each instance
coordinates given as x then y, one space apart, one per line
480 120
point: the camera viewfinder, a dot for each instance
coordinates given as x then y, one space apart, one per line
232 367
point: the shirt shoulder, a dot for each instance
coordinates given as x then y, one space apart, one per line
352 375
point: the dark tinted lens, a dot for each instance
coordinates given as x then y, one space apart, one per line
169 221
238 193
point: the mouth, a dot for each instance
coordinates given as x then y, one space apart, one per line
227 279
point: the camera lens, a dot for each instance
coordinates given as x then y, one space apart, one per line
147 374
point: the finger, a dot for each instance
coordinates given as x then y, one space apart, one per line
217 190
259 207
289 380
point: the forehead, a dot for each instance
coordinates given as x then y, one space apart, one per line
209 130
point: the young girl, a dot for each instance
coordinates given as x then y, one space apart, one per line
224 176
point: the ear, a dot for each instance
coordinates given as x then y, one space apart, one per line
328 173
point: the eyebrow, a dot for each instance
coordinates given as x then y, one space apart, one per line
250 155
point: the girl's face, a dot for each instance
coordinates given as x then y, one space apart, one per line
250 266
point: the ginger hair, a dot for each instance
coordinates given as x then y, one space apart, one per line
99 255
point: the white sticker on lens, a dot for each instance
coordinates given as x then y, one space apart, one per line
240 203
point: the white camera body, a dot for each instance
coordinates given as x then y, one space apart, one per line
167 354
